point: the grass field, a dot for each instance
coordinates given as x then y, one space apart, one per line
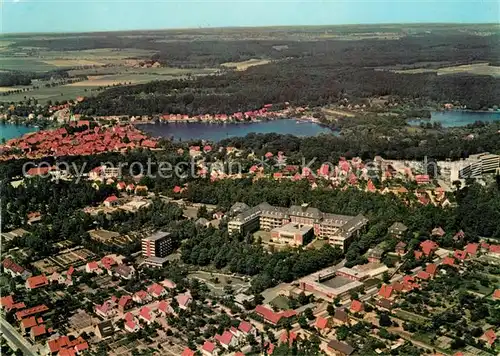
402 314
239 66
280 302
477 69
25 64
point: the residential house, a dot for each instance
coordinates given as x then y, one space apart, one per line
37 332
400 248
438 231
428 247
105 310
111 201
93 267
184 300
146 315
188 352
489 336
37 282
31 311
104 330
227 339
246 328
357 306
123 271
323 324
167 283
431 268
156 290
131 324
165 308
340 317
209 349
124 303
471 248
340 348
27 323
14 269
272 317
141 297
397 229
385 291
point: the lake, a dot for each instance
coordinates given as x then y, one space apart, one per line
8 131
459 118
216 132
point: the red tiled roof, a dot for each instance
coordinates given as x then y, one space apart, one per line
321 323
496 294
11 265
187 352
208 346
225 338
385 291
423 275
490 336
145 313
34 310
460 255
124 300
428 246
418 254
471 249
38 330
28 322
450 261
7 302
356 306
111 199
156 289
431 268
245 326
288 336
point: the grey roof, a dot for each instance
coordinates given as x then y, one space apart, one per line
335 219
202 221
237 208
354 224
399 227
157 236
106 328
306 212
376 252
341 315
340 346
123 270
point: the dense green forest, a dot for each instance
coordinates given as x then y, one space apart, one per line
303 73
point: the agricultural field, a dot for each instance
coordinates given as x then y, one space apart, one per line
244 65
476 69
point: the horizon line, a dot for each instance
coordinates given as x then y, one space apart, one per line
254 27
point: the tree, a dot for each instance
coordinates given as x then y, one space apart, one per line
384 320
308 313
330 309
385 277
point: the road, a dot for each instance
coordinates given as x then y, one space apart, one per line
16 339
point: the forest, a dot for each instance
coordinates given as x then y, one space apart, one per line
304 73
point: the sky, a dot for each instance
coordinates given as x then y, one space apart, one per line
111 15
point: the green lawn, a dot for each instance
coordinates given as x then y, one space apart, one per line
280 302
408 316
25 64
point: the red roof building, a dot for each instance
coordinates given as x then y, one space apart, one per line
245 327
489 336
322 323
37 282
460 255
357 306
187 352
449 261
428 246
31 311
471 248
385 291
272 317
208 347
431 268
496 294
226 339
423 275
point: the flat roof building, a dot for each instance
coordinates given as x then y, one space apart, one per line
337 229
157 245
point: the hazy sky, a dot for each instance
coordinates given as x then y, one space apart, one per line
96 15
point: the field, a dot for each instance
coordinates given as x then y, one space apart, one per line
405 315
239 66
477 69
217 281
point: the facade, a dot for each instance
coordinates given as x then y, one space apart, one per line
158 244
337 229
292 234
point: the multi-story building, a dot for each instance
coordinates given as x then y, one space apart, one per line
157 247
337 229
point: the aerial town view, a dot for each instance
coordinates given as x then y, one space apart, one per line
250 178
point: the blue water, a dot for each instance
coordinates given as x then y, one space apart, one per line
8 131
216 132
459 118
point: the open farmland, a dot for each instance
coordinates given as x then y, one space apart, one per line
476 69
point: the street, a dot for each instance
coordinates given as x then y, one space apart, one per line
15 339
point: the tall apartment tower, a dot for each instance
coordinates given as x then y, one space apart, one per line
157 245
